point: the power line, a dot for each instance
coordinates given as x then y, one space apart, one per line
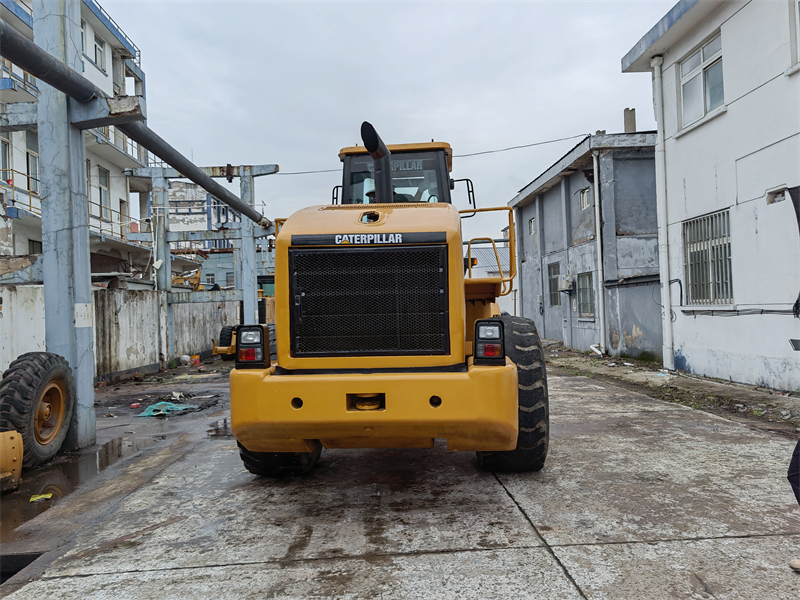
309 172
581 135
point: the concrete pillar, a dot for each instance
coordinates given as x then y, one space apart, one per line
160 216
65 218
248 273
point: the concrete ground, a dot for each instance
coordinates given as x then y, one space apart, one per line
640 498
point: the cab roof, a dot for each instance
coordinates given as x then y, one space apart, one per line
423 147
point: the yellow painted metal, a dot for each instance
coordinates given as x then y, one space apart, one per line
473 410
393 218
10 459
505 281
224 349
49 412
192 280
423 147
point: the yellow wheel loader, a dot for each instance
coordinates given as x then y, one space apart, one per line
384 338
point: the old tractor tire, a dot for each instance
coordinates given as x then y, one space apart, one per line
37 398
279 464
225 339
525 350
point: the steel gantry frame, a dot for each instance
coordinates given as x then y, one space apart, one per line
246 232
67 105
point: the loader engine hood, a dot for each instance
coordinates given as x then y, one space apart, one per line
370 286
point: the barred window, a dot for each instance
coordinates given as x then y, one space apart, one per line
553 271
585 295
707 255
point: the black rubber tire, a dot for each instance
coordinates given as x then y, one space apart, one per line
522 346
279 464
225 339
23 384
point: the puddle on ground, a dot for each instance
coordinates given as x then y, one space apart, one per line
59 477
221 428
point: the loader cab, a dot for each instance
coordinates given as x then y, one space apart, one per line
420 173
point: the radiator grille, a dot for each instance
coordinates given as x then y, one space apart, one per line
369 301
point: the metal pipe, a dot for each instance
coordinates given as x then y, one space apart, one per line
139 132
601 278
27 55
384 193
668 352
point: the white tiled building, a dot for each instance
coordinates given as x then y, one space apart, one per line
726 87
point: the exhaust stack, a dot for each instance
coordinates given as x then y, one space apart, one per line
384 193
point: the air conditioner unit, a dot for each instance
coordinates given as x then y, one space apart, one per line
565 283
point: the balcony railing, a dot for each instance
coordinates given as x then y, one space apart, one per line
28 80
103 220
24 190
133 149
137 58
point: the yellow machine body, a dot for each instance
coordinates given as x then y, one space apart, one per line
378 401
476 410
226 350
10 460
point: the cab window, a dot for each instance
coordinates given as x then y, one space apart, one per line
416 177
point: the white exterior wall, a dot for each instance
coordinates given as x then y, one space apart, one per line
729 162
118 190
102 79
21 322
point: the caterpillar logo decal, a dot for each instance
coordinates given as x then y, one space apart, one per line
369 238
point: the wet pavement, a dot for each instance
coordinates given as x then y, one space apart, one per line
639 498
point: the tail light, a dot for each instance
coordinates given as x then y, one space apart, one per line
251 342
488 343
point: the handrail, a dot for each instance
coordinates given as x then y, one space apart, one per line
137 58
27 80
6 181
507 282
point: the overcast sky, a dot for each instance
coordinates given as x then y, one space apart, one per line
291 82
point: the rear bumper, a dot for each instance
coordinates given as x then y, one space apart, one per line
478 410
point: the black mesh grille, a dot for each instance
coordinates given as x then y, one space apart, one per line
369 301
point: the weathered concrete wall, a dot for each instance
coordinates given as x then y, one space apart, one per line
582 220
129 331
130 327
26 268
195 325
551 207
565 233
632 328
21 321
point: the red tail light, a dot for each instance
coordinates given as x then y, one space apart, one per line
250 354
